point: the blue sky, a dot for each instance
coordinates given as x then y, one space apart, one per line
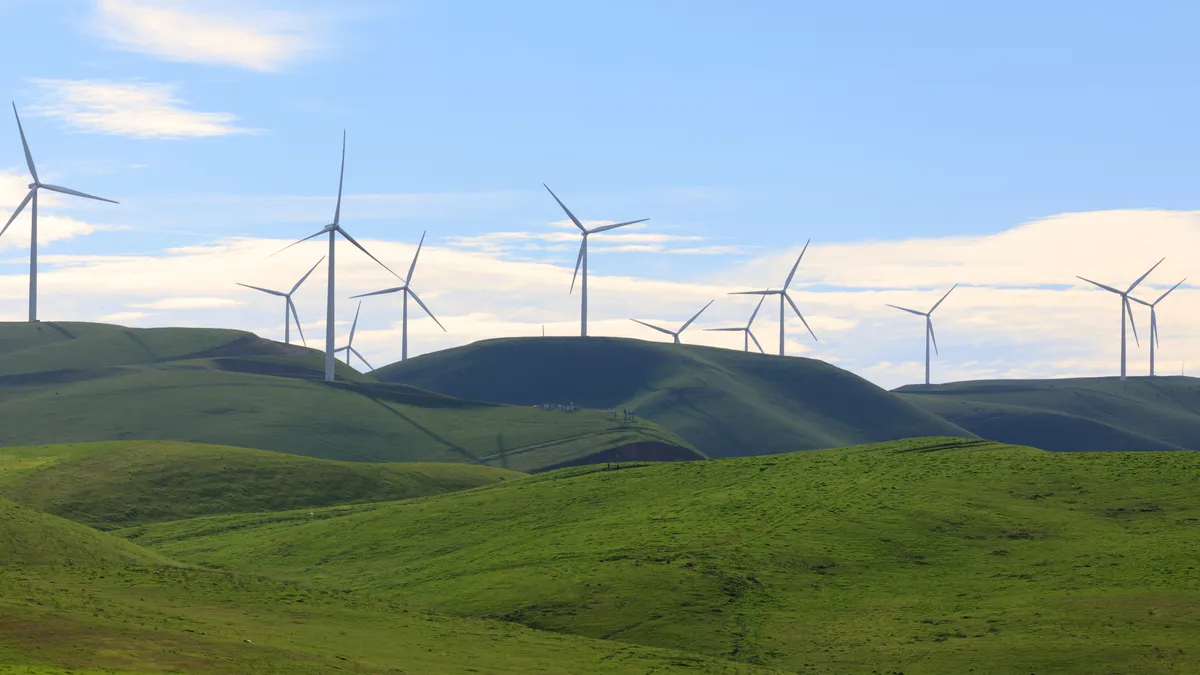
740 129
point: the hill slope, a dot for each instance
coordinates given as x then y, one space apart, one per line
726 403
1101 413
29 537
68 383
923 556
122 483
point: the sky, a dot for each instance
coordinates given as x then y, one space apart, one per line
1005 148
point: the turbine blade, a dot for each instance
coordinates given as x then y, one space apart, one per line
414 297
296 316
797 310
360 358
578 261
1097 283
303 278
1154 327
564 208
20 207
758 307
1141 302
726 329
647 325
264 290
383 292
935 305
793 272
1129 310
317 234
413 266
77 193
354 325
763 293
1144 275
756 344
605 228
25 144
929 325
337 210
1160 298
689 321
905 309
352 240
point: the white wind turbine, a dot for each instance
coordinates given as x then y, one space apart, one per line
407 290
333 229
32 196
746 329
582 258
289 307
675 333
1126 309
783 295
1154 320
929 334
349 348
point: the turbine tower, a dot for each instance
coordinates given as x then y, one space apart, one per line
407 290
675 333
783 295
746 329
349 348
929 334
32 196
1154 321
289 307
333 229
1126 309
582 258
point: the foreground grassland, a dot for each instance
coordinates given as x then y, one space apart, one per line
122 483
924 556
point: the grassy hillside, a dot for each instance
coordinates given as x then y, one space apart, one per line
924 556
122 483
70 383
121 621
724 402
29 537
1100 413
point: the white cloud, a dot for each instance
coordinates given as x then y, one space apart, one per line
137 109
51 228
190 303
212 32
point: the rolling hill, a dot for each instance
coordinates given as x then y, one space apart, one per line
122 483
75 382
919 556
1100 413
29 537
724 402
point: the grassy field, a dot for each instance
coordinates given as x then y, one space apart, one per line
71 383
29 537
724 402
122 483
1099 413
923 556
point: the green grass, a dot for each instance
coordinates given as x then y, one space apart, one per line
724 402
1094 414
71 383
923 556
29 537
122 483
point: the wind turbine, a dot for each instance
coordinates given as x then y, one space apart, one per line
349 348
289 307
675 333
333 229
746 329
783 295
582 259
1154 321
929 334
32 196
1126 309
407 290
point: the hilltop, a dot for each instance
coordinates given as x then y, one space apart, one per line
920 556
1095 413
29 537
79 382
122 483
724 402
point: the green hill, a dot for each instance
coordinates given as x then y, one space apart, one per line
923 556
724 402
1099 413
121 483
29 537
71 383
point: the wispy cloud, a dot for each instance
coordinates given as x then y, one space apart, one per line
137 109
51 228
190 303
631 239
214 32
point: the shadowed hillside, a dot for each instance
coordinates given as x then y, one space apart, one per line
725 402
29 537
